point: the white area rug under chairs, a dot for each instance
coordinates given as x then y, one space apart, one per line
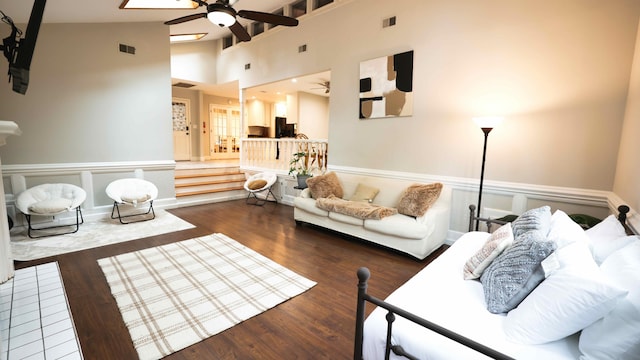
101 232
178 294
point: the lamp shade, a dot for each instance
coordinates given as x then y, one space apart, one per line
222 17
487 122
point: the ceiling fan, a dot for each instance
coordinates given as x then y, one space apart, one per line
223 15
326 85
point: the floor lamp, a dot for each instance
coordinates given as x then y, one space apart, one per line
486 123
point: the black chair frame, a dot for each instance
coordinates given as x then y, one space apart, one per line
120 217
30 229
253 199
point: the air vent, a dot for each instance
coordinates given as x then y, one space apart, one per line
389 22
302 48
127 49
183 85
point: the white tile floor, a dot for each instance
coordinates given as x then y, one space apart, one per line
35 320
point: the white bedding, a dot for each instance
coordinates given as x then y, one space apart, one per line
439 294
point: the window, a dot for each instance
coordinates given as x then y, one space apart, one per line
298 8
320 3
227 41
257 28
277 12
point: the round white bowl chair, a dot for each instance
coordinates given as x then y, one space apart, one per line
51 200
259 188
132 192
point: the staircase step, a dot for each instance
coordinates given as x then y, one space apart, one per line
208 191
181 184
207 172
198 181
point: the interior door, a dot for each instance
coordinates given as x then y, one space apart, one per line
225 132
181 123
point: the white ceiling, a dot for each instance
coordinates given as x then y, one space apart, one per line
108 11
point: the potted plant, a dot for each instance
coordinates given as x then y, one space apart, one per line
300 167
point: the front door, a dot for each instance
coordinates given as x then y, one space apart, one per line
181 123
225 132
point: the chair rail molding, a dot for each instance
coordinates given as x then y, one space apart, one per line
97 167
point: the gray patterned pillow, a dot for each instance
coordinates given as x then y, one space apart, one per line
534 219
515 272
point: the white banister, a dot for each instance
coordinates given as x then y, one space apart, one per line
263 154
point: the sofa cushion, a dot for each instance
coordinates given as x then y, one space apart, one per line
309 205
400 226
364 193
345 219
324 185
418 198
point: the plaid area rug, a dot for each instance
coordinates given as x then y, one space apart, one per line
178 294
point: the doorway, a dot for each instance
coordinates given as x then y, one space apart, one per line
226 126
181 123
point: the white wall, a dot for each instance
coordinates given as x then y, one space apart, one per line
313 115
88 102
193 61
558 72
627 178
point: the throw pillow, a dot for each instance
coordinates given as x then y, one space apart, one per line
364 193
418 198
494 246
617 335
515 272
51 206
569 299
534 219
257 184
325 185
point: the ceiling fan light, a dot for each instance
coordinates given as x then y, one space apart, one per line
222 17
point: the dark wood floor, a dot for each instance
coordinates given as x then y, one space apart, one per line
319 324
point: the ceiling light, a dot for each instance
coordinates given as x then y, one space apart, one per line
158 4
186 37
222 17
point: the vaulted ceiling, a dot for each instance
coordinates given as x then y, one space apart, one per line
108 11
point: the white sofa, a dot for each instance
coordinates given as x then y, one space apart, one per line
417 237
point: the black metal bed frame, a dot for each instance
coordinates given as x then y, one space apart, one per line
363 297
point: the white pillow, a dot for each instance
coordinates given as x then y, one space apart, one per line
617 335
564 230
572 297
603 238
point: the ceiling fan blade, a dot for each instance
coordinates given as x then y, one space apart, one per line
268 18
240 32
185 19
